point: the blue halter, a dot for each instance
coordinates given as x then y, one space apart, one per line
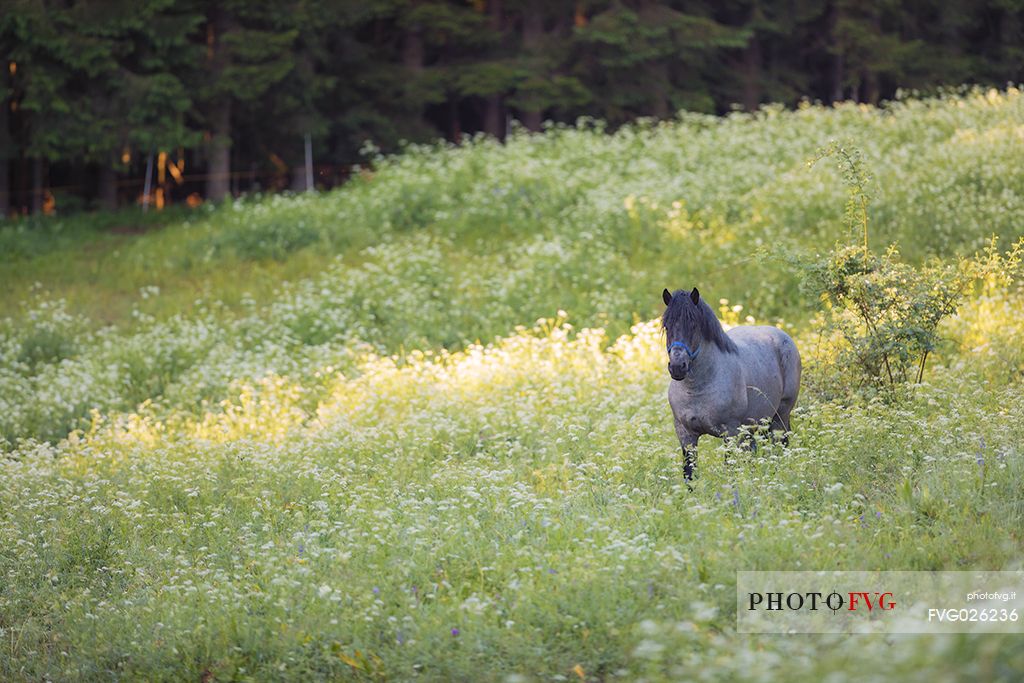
684 347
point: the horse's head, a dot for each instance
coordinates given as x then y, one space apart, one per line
684 335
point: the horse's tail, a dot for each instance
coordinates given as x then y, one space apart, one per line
791 368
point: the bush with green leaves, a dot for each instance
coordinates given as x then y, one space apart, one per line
887 312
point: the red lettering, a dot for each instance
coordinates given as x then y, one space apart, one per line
883 601
853 601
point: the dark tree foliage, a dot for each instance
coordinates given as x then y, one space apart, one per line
92 91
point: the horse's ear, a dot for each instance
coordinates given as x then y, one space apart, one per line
695 296
666 296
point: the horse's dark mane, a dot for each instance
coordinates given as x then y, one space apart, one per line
684 317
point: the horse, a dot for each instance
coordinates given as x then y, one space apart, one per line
721 381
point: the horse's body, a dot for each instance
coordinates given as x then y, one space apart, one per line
721 380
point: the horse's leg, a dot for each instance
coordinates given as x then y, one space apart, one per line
688 441
791 370
690 460
780 423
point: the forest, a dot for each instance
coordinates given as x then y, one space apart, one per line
211 99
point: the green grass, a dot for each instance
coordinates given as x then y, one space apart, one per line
327 437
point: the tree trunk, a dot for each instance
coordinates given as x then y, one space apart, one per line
5 183
108 187
533 34
532 120
752 60
298 179
493 120
533 28
218 181
660 107
454 121
37 185
78 179
1008 32
493 125
6 152
870 91
412 60
836 66
412 50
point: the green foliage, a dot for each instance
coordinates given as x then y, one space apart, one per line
886 311
856 179
671 46
88 81
276 233
708 195
416 427
361 539
93 78
50 336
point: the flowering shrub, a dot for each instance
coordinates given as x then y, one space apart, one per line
886 311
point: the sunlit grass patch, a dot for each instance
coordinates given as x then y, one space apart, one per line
442 449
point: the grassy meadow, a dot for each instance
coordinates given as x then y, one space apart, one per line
416 428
